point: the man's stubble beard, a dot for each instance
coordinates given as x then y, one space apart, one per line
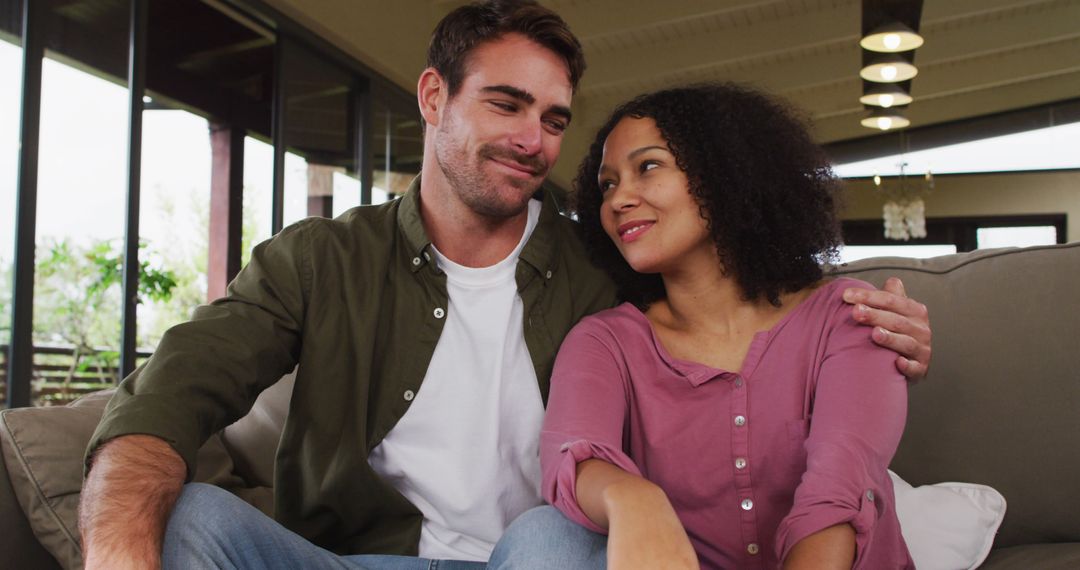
474 186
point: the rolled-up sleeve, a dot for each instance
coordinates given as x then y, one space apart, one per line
586 416
859 410
207 372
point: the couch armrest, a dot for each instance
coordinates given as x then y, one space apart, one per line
18 544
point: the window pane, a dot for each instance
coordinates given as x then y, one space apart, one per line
82 190
1016 236
174 219
208 69
346 192
849 253
320 133
398 141
10 97
1042 149
258 192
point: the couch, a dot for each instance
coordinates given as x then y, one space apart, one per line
1001 407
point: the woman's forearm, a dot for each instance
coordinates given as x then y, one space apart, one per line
830 548
603 488
643 529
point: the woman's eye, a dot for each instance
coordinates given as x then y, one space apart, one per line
606 185
648 165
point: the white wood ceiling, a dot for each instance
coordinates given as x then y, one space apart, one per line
980 56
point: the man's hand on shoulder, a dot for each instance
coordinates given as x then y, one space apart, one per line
900 323
131 488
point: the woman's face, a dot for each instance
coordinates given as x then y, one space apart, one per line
647 208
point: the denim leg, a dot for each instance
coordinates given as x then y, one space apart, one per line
390 562
212 528
542 539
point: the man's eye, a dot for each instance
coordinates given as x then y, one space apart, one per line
556 126
504 106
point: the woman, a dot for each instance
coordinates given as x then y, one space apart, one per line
731 412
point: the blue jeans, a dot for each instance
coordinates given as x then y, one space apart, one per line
212 528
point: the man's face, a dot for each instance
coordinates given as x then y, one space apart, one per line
499 136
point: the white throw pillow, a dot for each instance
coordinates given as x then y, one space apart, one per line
948 526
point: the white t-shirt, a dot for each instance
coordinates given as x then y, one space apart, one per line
466 453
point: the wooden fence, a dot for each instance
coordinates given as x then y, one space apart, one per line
58 379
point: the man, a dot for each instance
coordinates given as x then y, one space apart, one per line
464 287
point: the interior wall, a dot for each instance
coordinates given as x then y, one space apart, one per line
993 194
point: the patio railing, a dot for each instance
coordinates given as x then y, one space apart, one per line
58 379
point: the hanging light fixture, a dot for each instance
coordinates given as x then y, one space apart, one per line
904 211
885 119
891 38
888 68
885 95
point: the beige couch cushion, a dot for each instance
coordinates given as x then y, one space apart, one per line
1001 405
43 449
253 439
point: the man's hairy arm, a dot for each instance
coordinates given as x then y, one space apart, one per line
133 483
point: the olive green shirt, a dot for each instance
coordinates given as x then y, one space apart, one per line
359 303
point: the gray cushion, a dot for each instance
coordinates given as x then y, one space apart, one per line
1001 405
43 450
1064 556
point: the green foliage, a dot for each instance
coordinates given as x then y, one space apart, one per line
5 300
77 297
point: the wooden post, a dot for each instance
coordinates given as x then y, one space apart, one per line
226 205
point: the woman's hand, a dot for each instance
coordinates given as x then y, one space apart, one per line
643 529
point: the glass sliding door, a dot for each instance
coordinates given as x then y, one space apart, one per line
81 193
398 144
11 55
321 170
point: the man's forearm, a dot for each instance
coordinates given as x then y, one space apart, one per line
126 500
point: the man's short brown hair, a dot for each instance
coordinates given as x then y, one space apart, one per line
471 25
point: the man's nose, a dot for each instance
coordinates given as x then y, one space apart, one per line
527 138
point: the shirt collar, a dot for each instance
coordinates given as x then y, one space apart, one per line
413 226
539 251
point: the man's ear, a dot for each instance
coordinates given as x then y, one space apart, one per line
431 92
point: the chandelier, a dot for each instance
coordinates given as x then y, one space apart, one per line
904 212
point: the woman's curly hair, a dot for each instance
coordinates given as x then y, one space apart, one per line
765 189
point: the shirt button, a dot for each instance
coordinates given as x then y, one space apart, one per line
740 463
427 256
870 494
738 382
740 420
409 395
416 261
752 548
747 504
439 313
548 274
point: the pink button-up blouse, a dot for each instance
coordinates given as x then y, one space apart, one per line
753 460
